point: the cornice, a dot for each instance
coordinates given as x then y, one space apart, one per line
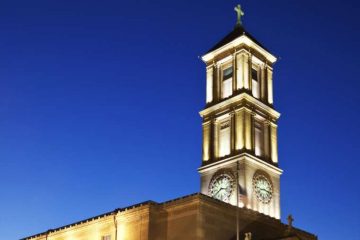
239 98
238 41
242 157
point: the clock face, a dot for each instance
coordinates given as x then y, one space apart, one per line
221 187
262 188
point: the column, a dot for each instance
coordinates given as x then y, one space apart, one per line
234 77
252 130
262 83
248 68
209 84
211 140
265 83
248 130
267 139
240 71
274 150
216 139
218 80
215 85
270 85
239 129
232 132
206 140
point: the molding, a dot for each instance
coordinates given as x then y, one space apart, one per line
242 158
238 98
224 60
238 41
257 61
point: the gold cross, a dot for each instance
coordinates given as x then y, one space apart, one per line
239 13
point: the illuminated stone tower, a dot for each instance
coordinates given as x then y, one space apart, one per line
240 157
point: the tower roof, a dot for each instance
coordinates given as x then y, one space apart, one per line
238 31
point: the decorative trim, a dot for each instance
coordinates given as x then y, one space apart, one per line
238 41
238 98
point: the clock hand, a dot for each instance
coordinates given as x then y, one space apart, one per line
264 189
217 192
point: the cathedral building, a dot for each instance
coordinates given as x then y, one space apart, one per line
239 174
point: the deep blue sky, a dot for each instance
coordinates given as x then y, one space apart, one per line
99 106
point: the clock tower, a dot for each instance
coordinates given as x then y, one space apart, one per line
239 163
240 157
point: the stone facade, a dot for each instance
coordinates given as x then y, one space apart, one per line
196 216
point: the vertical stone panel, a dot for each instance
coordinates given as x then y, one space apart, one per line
248 79
240 71
266 140
270 86
209 84
246 70
262 84
248 131
216 86
239 130
232 132
274 147
206 140
234 76
216 138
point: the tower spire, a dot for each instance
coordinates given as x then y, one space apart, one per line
239 13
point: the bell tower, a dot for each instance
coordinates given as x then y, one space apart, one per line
239 122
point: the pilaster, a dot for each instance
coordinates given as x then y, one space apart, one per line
249 69
262 84
274 147
209 83
216 139
240 71
246 70
232 132
206 140
240 129
234 77
270 85
248 130
267 140
216 90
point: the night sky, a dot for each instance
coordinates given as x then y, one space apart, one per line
99 105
